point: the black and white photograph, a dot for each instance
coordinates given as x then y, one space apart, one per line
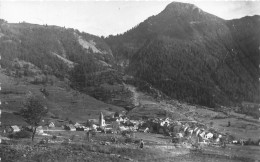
128 80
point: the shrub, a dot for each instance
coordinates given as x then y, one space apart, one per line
21 134
54 137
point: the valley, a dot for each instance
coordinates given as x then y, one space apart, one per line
183 85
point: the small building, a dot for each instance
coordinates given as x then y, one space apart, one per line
39 130
209 135
179 135
51 125
15 128
69 127
77 125
190 131
80 128
202 134
198 131
94 126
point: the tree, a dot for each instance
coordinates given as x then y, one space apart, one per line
33 112
116 114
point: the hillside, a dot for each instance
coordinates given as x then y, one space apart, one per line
63 102
193 56
53 49
76 70
39 52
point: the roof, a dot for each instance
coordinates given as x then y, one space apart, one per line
15 127
70 126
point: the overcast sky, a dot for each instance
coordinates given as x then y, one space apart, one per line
110 17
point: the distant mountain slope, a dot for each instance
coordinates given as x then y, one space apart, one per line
194 56
58 48
39 54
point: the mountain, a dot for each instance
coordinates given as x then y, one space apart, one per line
183 53
50 47
78 57
73 72
62 62
193 56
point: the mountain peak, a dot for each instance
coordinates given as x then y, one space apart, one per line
179 7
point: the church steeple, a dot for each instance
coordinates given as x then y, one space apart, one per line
101 120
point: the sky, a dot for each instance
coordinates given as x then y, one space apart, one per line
109 17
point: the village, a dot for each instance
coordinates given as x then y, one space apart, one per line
193 133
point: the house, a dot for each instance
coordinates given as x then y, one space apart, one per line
209 135
15 128
165 122
179 135
94 126
128 123
202 134
51 125
146 130
190 131
39 130
185 128
77 125
80 128
123 128
109 119
69 127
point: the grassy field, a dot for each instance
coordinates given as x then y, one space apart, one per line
241 126
156 148
62 101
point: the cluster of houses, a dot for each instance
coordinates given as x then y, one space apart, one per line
178 130
182 130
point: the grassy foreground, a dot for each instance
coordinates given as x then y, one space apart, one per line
101 148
